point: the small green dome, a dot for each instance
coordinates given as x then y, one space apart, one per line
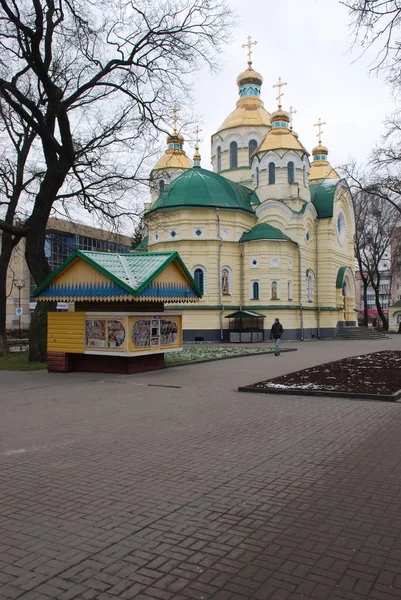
264 231
199 188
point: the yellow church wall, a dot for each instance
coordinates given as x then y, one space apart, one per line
185 222
266 252
332 256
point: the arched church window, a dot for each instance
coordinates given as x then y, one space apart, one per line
291 172
304 175
253 144
233 155
257 176
272 172
199 279
161 186
255 290
218 159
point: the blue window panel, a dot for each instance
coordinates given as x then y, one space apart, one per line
253 144
218 159
323 157
199 279
255 290
291 172
272 173
233 155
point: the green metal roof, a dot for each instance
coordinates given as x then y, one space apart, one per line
340 276
142 246
264 231
322 195
245 314
131 272
199 188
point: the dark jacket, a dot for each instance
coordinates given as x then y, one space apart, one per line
276 331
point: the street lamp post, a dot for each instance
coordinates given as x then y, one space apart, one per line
19 284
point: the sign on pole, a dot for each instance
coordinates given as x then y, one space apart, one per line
18 312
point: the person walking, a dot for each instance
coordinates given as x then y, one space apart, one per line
275 334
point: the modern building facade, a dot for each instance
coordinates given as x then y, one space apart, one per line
63 238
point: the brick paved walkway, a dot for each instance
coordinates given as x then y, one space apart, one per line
111 488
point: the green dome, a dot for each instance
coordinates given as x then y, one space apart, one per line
264 231
199 188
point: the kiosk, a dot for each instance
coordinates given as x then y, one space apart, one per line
116 322
246 326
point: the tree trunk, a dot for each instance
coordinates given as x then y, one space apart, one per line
365 304
38 332
6 251
3 304
37 261
383 318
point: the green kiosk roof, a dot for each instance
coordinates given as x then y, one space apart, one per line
129 273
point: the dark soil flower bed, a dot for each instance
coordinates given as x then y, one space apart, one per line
376 375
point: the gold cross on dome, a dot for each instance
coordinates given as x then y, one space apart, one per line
279 85
292 112
249 45
319 135
196 132
175 111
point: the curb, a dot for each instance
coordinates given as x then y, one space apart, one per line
299 392
204 360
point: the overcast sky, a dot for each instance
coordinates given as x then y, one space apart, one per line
306 43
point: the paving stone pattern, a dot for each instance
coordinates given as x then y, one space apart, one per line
114 489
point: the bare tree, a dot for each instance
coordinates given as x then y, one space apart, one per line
376 225
15 182
93 83
376 24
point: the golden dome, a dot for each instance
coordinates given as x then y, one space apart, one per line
249 113
249 76
321 169
197 157
320 149
280 138
174 157
175 160
280 115
175 138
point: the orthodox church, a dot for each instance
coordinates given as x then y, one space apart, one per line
265 234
